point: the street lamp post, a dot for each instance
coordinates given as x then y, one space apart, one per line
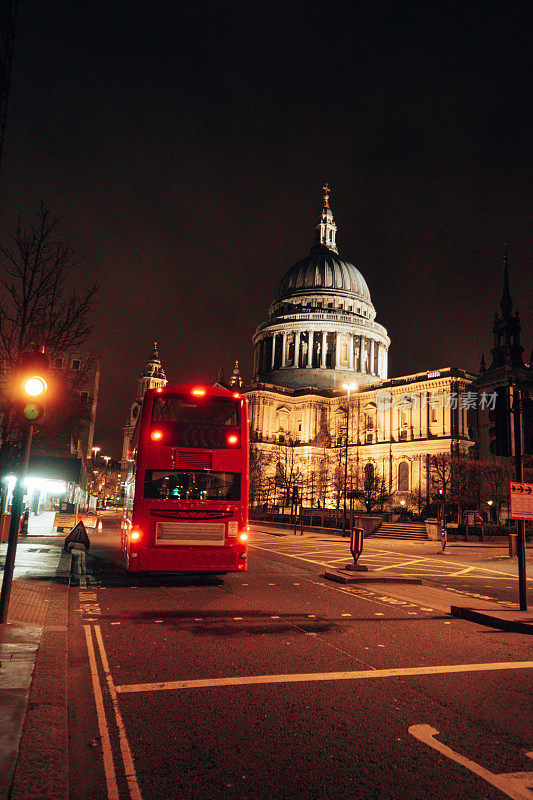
107 460
348 387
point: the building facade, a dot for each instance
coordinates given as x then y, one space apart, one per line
509 379
308 429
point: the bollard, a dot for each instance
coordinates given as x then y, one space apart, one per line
356 546
513 545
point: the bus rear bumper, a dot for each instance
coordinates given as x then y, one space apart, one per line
188 559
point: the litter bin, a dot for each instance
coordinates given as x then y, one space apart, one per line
513 544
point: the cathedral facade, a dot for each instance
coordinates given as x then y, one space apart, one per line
323 413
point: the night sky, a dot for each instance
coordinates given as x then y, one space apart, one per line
184 146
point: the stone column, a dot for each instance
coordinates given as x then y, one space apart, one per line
296 349
337 349
372 356
357 363
310 338
362 350
273 351
283 349
323 353
350 353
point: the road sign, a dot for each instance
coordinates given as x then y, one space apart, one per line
64 520
89 520
522 501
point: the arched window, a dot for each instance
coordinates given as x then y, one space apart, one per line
403 476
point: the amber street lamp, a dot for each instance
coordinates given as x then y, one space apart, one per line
348 387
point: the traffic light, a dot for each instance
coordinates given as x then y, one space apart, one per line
499 424
32 387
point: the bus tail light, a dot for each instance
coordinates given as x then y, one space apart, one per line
198 391
156 435
243 537
233 439
135 535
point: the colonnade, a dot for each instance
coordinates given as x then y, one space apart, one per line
309 349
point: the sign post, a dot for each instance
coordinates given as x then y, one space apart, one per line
16 512
521 506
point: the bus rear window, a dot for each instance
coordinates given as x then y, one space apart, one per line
191 485
218 411
203 422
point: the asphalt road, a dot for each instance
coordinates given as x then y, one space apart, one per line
278 684
469 568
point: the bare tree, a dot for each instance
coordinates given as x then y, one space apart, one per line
38 307
497 477
258 464
373 495
287 470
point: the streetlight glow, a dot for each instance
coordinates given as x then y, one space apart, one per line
35 386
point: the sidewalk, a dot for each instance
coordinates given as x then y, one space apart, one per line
33 648
481 611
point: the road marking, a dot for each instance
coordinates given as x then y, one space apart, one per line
127 759
370 554
462 572
107 753
400 564
306 677
514 785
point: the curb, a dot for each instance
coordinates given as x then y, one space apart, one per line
41 772
367 577
488 618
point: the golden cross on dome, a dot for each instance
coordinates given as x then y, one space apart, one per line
326 190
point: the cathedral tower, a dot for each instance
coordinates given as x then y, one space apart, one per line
152 377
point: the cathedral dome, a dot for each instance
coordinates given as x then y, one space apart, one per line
323 269
320 329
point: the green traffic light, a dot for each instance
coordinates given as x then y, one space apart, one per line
31 411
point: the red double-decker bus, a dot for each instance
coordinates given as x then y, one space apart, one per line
186 498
